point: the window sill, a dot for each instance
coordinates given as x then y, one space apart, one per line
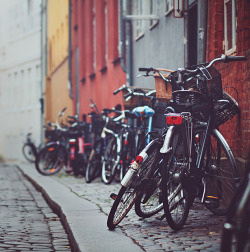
231 51
151 27
168 12
141 35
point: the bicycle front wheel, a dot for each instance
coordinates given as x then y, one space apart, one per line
51 159
128 195
221 173
93 166
109 162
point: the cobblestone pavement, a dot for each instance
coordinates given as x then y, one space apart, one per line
26 221
202 231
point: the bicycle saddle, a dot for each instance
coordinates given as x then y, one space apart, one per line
143 111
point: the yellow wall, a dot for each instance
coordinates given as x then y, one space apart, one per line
56 92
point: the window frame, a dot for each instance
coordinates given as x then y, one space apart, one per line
229 51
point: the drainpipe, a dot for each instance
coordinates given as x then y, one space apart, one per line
128 46
70 56
186 33
129 53
202 30
43 65
122 39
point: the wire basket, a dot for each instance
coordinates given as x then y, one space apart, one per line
232 109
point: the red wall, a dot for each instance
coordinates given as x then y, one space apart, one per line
234 74
96 36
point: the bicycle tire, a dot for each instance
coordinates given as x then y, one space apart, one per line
93 167
109 162
128 195
51 159
149 202
221 173
176 199
29 152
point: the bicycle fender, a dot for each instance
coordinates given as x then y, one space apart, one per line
53 143
168 138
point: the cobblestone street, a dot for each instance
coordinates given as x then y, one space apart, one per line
202 231
26 221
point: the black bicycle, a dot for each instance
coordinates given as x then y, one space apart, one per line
198 162
29 149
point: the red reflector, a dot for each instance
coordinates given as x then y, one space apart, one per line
174 119
125 142
139 159
51 149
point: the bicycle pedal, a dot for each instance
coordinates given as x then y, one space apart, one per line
113 196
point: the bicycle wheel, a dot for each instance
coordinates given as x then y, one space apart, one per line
150 200
109 162
128 195
51 159
29 152
176 198
221 173
93 166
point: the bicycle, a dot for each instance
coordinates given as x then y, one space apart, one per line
100 124
125 145
54 155
141 184
29 149
198 162
236 231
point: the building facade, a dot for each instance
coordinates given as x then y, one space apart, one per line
228 33
57 89
20 75
96 64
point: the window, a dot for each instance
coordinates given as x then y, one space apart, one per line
153 11
169 6
229 26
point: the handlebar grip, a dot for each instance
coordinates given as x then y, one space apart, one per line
116 91
234 58
146 69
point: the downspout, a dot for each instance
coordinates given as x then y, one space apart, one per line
42 73
202 30
129 47
186 33
70 56
122 37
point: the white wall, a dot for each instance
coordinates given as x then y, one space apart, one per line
20 75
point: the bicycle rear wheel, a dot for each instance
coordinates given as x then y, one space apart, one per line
128 195
29 152
176 198
149 202
221 173
51 159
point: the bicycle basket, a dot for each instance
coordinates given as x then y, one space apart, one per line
186 97
222 116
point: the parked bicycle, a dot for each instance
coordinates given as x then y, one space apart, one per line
29 149
198 162
195 159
